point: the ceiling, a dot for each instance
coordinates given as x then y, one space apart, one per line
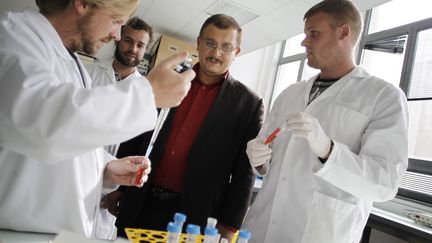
275 20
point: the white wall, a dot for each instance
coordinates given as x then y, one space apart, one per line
258 70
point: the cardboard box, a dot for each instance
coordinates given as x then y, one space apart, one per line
169 45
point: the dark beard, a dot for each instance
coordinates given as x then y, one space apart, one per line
123 61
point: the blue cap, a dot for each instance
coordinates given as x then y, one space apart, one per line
179 217
173 227
210 231
244 234
193 229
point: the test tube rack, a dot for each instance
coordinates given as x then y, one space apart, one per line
153 236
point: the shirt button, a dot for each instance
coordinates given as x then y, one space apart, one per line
172 152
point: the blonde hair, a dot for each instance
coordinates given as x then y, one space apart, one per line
48 7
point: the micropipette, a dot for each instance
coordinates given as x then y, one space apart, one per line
159 122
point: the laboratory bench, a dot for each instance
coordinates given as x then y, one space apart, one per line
390 218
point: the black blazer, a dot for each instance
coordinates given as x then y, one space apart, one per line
218 178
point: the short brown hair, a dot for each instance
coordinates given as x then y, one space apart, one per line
223 21
342 12
137 23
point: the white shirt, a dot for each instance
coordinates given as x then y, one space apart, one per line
301 199
52 129
102 74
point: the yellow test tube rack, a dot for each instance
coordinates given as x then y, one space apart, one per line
153 236
156 236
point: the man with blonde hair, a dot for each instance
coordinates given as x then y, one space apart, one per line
53 126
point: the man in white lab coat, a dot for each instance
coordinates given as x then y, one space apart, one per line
135 35
53 126
343 147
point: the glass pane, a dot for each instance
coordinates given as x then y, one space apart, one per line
421 77
293 45
384 16
287 75
308 72
387 66
420 129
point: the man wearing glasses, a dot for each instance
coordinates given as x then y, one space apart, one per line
199 164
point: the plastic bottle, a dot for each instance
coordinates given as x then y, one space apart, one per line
179 218
210 235
243 236
192 231
174 231
223 240
211 223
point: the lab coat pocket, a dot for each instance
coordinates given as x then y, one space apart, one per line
330 220
352 122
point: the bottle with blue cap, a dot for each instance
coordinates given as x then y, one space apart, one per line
174 231
179 218
210 235
243 236
192 231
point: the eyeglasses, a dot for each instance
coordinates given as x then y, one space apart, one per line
211 45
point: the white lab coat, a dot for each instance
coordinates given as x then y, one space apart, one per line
302 200
52 129
102 74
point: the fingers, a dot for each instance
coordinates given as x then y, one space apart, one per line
257 152
129 171
298 123
170 87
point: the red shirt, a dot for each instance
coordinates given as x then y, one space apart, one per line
187 122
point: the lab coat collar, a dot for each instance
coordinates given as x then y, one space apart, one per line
356 72
107 64
47 32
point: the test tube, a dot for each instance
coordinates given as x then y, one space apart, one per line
192 231
174 231
210 235
223 240
179 218
211 222
243 236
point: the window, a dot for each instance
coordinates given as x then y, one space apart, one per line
292 65
376 53
404 44
287 74
421 77
293 45
383 16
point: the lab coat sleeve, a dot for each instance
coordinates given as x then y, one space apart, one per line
108 186
374 173
52 119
